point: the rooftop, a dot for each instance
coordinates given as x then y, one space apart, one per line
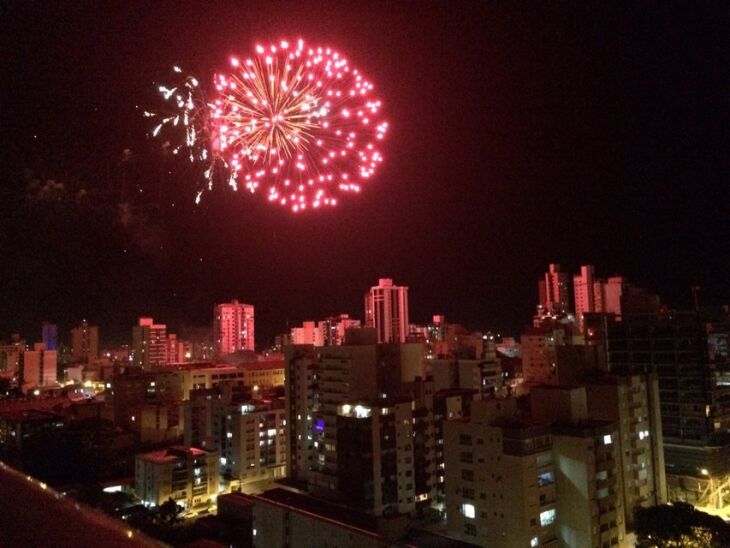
171 454
55 520
29 415
584 429
319 509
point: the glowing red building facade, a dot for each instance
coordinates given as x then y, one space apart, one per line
233 327
386 309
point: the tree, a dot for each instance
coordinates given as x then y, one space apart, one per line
679 525
169 512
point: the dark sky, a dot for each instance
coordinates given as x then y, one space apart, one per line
521 135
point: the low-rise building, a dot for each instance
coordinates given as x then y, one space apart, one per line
285 518
186 474
255 375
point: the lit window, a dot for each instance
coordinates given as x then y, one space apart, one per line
534 541
607 439
545 478
547 517
469 511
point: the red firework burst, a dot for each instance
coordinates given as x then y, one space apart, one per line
299 124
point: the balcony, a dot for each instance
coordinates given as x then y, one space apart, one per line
642 490
609 482
636 413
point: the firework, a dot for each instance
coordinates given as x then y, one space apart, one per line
187 123
297 123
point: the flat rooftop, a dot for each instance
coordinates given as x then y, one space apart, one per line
319 509
171 454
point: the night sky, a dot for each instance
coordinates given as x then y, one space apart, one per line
520 135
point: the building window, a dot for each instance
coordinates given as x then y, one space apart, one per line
467 457
607 439
470 529
534 541
547 517
545 478
467 475
465 439
467 493
469 511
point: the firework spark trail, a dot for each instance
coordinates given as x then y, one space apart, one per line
299 122
187 122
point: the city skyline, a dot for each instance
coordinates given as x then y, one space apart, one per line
520 137
572 284
360 273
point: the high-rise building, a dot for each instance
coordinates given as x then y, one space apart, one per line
539 354
149 343
500 478
176 349
328 332
342 396
301 366
10 357
134 389
49 335
39 366
594 295
584 290
554 291
540 480
334 329
247 433
632 402
84 342
386 309
372 457
612 292
233 327
308 333
688 355
255 375
483 376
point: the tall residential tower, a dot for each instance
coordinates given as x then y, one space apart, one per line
233 327
85 342
386 309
